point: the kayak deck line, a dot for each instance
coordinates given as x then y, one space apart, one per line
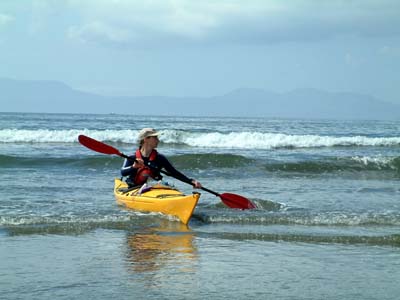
136 192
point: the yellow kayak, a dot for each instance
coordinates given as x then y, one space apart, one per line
157 198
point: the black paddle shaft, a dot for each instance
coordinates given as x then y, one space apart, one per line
168 174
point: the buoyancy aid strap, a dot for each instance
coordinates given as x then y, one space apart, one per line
152 157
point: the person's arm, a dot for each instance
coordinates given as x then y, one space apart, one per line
164 163
127 167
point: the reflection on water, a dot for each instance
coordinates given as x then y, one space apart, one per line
168 245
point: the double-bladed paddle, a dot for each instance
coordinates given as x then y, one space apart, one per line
229 199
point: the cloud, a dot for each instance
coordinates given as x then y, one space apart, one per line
5 19
163 22
99 31
144 21
257 21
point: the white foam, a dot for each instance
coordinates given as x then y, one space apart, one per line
258 140
379 161
239 140
64 136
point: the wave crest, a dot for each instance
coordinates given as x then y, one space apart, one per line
236 140
217 161
334 164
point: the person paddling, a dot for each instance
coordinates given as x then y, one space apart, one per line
146 163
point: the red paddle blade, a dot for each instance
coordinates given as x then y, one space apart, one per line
236 201
97 146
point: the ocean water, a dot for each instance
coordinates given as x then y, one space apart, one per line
327 223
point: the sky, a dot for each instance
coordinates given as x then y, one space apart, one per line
204 48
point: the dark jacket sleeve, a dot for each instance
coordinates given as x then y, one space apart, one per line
164 163
127 169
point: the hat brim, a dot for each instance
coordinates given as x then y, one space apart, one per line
153 134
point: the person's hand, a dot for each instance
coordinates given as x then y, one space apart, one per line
196 184
139 163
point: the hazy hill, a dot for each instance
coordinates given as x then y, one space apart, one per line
56 97
43 96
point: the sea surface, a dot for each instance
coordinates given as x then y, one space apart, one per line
327 223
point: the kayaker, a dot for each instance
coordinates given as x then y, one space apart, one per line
147 162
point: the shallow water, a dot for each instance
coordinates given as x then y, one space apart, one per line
326 225
168 262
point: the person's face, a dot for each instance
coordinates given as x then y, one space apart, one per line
152 141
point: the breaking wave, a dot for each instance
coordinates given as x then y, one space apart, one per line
234 140
355 163
212 160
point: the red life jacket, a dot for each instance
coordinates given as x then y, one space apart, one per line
145 172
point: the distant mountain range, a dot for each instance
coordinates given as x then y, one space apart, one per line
57 97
